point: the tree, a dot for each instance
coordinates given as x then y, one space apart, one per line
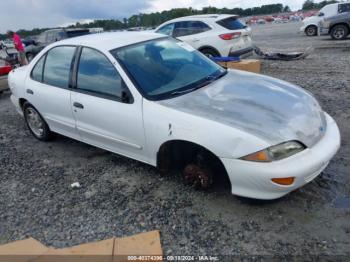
324 3
308 5
157 18
286 9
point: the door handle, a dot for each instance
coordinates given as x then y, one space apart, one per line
78 105
29 91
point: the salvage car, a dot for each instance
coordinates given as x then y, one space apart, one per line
213 35
310 24
338 26
159 101
51 36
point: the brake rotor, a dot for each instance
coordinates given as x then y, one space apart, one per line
197 176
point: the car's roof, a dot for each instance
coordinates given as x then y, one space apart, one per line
108 41
208 17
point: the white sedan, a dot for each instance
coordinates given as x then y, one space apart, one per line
157 100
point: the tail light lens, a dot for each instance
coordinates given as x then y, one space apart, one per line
230 36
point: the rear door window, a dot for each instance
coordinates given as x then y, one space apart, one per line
37 73
58 66
51 37
42 38
190 28
344 8
232 23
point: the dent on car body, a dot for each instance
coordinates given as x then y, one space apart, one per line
270 109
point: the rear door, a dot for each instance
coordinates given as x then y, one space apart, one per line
106 114
47 89
191 32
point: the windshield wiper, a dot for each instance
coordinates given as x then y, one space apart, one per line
207 80
183 91
211 78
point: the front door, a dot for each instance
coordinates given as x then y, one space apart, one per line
106 114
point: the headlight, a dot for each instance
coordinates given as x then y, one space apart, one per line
277 152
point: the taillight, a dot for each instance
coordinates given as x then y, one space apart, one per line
230 36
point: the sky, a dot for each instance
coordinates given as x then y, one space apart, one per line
28 14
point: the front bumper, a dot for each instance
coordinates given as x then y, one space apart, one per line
242 53
253 179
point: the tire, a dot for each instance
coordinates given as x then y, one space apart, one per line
311 30
339 32
209 52
29 56
36 124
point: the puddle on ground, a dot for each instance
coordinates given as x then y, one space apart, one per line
342 202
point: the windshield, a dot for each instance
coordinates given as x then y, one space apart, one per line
166 67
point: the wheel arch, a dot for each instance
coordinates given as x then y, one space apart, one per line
311 25
175 154
21 102
343 23
209 47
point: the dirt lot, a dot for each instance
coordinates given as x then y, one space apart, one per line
121 197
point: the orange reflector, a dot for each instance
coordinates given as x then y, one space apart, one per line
286 181
258 157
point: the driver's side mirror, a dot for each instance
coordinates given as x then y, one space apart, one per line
127 97
321 14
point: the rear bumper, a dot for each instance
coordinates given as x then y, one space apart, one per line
15 102
253 179
3 83
242 53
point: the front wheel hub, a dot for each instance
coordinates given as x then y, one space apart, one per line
197 176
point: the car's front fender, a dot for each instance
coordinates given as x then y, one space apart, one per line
163 124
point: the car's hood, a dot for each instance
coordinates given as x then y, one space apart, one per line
268 108
312 20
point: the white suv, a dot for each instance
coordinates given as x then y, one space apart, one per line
213 35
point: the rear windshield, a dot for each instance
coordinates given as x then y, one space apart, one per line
232 23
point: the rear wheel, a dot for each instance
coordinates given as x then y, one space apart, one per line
36 124
339 32
209 52
311 30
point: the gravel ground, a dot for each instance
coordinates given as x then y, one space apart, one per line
122 197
